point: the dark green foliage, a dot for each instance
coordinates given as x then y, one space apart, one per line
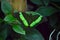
38 2
41 2
46 11
6 7
1 20
33 34
4 31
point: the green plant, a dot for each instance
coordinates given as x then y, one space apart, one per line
25 23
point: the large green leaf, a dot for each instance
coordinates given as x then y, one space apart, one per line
6 7
9 18
38 2
46 11
18 29
33 35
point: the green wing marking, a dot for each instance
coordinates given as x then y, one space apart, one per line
23 19
36 21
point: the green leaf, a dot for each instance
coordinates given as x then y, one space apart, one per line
6 7
9 18
56 0
18 29
38 2
46 11
33 35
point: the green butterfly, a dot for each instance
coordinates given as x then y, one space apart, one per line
25 22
